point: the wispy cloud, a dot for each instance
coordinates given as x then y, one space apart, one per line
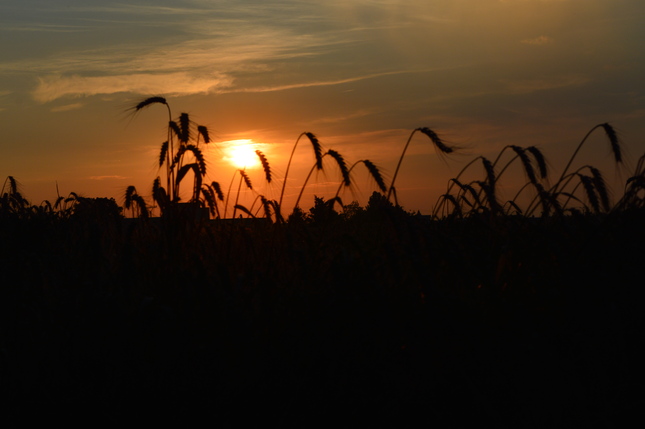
319 83
54 87
540 40
226 47
342 118
202 65
67 107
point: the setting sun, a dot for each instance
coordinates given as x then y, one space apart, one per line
241 153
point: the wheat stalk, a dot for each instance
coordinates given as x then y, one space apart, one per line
341 164
317 153
373 171
243 177
613 140
438 143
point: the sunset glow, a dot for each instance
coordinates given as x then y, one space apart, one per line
241 154
482 74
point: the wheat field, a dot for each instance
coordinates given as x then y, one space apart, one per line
489 311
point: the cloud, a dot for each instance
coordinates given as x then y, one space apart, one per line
332 82
67 107
540 40
318 83
53 87
204 48
205 64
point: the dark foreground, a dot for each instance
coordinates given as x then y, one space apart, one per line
376 319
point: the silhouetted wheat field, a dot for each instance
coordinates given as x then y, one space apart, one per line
485 312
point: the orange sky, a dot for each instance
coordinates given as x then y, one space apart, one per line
361 75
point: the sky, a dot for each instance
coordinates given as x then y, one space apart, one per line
360 75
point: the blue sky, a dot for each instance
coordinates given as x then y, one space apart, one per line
361 75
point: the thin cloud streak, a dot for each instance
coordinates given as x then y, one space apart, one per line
67 107
55 87
321 83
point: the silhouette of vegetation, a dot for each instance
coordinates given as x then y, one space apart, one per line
481 313
180 154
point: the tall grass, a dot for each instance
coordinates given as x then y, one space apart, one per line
180 154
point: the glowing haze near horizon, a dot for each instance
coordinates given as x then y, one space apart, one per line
360 75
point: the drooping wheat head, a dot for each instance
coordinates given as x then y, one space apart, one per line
457 212
159 195
539 160
439 144
243 209
184 128
526 163
218 190
341 165
203 132
163 153
266 204
265 165
376 174
601 188
130 191
150 100
466 188
209 196
247 179
590 192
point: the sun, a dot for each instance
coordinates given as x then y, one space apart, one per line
241 154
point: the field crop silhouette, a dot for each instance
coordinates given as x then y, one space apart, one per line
485 312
